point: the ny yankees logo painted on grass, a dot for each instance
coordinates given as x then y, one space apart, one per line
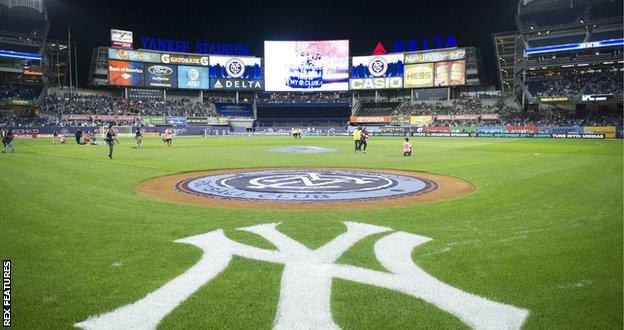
305 293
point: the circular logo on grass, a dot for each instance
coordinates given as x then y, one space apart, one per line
306 185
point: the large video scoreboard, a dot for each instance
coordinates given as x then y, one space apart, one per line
133 68
304 66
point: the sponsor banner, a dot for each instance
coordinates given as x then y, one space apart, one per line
370 119
421 120
184 59
457 117
195 121
578 136
431 94
491 129
133 55
121 38
605 97
145 94
188 130
399 120
418 75
489 116
435 56
175 121
561 129
236 73
218 121
234 110
48 131
464 129
124 73
28 72
376 83
553 99
192 77
437 129
159 75
607 131
541 135
153 120
306 65
452 73
377 72
100 117
211 121
18 102
522 129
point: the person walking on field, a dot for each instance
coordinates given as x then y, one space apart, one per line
138 136
7 140
363 138
168 137
407 148
111 139
357 138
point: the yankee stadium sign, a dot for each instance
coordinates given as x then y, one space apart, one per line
306 185
200 47
306 284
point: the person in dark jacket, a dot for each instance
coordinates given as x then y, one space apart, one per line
111 139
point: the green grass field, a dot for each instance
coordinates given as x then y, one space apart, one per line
543 231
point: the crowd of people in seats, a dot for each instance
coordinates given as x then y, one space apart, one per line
113 105
582 83
456 107
298 98
19 91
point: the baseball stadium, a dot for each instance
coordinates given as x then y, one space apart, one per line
328 165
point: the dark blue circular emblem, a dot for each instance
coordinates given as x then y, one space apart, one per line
306 185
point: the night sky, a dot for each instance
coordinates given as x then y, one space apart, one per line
252 22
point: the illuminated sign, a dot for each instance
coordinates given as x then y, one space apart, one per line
124 73
133 55
412 45
553 99
33 72
184 59
597 97
236 73
121 38
376 72
20 55
311 66
418 75
435 56
192 77
184 46
569 47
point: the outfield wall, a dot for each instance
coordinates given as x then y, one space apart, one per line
570 132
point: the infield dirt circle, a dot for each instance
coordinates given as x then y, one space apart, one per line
304 188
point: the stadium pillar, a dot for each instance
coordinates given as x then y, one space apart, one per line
411 96
201 96
237 95
126 93
69 61
376 96
165 94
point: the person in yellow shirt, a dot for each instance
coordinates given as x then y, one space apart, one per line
357 136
